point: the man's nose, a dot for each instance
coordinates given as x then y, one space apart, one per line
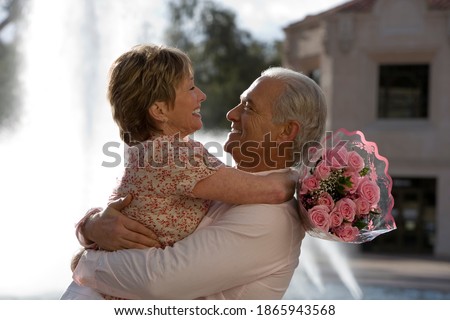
234 114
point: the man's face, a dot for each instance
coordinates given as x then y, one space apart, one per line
253 136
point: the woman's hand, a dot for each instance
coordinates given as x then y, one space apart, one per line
111 230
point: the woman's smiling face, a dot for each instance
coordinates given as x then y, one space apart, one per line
184 117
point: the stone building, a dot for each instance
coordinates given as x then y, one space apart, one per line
384 66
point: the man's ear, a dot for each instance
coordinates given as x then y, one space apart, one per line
289 131
158 111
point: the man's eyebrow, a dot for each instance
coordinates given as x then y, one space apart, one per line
245 98
250 101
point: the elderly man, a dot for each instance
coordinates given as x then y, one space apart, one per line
238 251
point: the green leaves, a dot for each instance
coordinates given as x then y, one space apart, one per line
360 224
364 172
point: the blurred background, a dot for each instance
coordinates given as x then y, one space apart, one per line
384 66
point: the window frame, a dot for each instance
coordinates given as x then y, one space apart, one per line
401 72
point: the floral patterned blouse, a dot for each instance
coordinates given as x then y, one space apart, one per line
160 174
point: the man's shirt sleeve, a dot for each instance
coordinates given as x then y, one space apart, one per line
246 243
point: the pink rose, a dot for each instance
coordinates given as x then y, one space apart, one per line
369 190
346 232
362 206
355 161
322 171
336 219
309 184
319 216
347 208
326 199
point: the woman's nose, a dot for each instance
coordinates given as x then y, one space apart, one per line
201 95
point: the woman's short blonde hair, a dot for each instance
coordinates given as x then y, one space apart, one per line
137 79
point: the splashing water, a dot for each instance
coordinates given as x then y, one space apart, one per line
341 266
320 262
52 164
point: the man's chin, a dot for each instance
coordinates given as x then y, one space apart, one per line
226 147
231 143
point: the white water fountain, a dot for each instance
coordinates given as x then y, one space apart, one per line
51 166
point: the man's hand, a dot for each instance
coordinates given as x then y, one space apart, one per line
111 230
286 183
291 183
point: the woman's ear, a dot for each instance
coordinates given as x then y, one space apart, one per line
158 111
289 131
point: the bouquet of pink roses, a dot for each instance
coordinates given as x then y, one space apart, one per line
346 195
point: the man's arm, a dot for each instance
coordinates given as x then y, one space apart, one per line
244 244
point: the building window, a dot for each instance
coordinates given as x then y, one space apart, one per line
403 91
415 216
